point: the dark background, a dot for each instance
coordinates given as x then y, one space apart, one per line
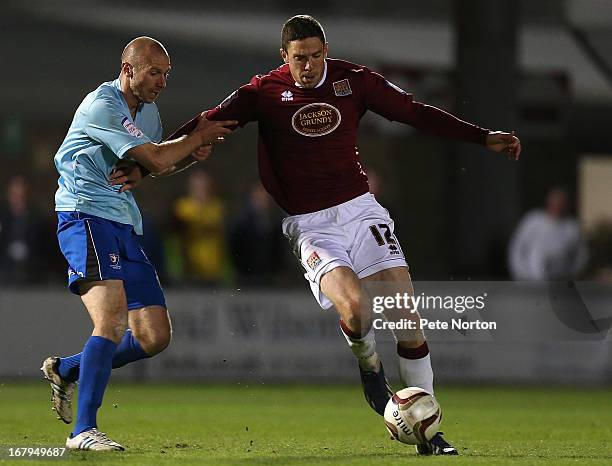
539 68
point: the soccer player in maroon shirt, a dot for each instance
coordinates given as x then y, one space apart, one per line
308 112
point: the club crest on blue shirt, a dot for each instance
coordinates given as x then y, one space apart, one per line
131 127
342 88
114 261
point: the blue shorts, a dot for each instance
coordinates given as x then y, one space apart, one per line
101 249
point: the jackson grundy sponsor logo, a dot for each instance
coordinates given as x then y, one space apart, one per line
315 120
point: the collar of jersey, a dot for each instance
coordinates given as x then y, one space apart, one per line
117 85
322 78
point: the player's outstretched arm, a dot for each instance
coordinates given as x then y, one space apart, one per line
201 154
159 157
508 143
393 103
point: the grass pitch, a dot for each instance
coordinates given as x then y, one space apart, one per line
263 424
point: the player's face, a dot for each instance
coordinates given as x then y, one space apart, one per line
150 78
306 60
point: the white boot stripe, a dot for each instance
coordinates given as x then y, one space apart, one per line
92 439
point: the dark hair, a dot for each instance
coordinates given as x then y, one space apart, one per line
301 27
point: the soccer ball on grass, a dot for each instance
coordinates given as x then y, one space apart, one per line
412 416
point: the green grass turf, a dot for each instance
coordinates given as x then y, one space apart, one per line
264 424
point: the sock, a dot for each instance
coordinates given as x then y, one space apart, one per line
129 350
68 367
415 367
96 364
363 347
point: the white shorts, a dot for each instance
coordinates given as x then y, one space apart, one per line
357 234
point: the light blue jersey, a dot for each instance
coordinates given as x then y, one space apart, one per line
101 133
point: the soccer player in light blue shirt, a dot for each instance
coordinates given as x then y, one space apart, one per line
102 132
116 126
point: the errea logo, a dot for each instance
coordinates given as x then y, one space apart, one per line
286 96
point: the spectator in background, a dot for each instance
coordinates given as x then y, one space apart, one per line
20 232
199 223
547 244
256 240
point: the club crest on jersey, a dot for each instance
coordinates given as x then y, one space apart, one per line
287 96
114 261
131 128
314 260
342 88
314 120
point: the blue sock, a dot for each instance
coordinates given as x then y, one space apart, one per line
68 367
129 350
96 362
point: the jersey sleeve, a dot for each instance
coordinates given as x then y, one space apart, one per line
393 103
107 123
240 105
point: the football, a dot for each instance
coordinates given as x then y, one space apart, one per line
412 416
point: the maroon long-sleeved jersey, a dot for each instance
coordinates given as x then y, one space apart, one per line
308 159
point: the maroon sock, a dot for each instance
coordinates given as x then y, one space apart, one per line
413 353
349 333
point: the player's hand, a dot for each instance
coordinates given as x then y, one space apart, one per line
213 132
127 174
506 143
202 153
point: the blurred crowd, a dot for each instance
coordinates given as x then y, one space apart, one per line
199 243
203 242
